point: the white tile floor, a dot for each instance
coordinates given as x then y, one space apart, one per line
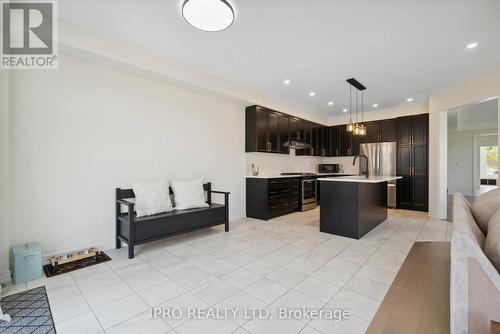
284 262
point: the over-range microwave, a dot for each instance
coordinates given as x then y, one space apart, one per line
329 168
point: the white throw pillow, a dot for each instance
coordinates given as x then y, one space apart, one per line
189 194
152 197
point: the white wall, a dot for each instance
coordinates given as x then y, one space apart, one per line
86 129
461 160
404 110
474 90
85 44
4 175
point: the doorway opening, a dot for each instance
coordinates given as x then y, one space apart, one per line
472 142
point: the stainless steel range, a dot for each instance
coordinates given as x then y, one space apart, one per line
309 190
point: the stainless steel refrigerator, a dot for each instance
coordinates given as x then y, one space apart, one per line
381 162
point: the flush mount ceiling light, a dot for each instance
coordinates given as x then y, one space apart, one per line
330 103
375 105
287 82
312 94
344 110
471 45
208 15
410 99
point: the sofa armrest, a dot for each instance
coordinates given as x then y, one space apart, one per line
463 248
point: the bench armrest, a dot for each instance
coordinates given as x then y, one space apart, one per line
220 192
125 202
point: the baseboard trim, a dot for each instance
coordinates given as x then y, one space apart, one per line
102 246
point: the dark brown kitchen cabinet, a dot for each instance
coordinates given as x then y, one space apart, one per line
388 130
372 132
269 198
412 163
265 130
404 131
335 140
273 134
419 128
413 129
325 142
283 134
349 143
314 140
380 131
297 127
355 141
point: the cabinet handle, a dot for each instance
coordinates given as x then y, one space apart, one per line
268 146
298 135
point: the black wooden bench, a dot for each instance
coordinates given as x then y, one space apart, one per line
134 231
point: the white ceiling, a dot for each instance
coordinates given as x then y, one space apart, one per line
397 48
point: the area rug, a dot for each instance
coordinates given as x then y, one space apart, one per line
50 271
30 313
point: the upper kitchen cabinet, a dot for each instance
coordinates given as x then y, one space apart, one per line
309 139
413 129
297 129
388 130
265 130
284 133
372 132
349 144
335 132
380 131
324 149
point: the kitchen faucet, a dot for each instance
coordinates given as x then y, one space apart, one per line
361 156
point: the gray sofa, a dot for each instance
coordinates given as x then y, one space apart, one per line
475 282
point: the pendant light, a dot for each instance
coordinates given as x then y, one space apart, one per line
357 128
208 15
356 125
362 130
350 125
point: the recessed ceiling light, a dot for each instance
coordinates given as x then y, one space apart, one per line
471 45
312 94
208 15
330 103
375 105
287 82
344 110
410 99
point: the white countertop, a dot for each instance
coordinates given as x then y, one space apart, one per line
295 175
361 179
271 176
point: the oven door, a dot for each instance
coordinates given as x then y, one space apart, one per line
309 191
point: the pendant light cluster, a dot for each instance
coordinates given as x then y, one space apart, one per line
357 128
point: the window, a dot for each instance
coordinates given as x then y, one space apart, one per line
488 164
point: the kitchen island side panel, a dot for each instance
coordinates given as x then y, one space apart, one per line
339 212
372 206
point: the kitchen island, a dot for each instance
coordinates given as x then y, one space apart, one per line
352 206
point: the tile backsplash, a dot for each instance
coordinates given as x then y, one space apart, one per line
273 164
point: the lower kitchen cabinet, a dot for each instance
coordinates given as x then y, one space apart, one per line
269 198
412 192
